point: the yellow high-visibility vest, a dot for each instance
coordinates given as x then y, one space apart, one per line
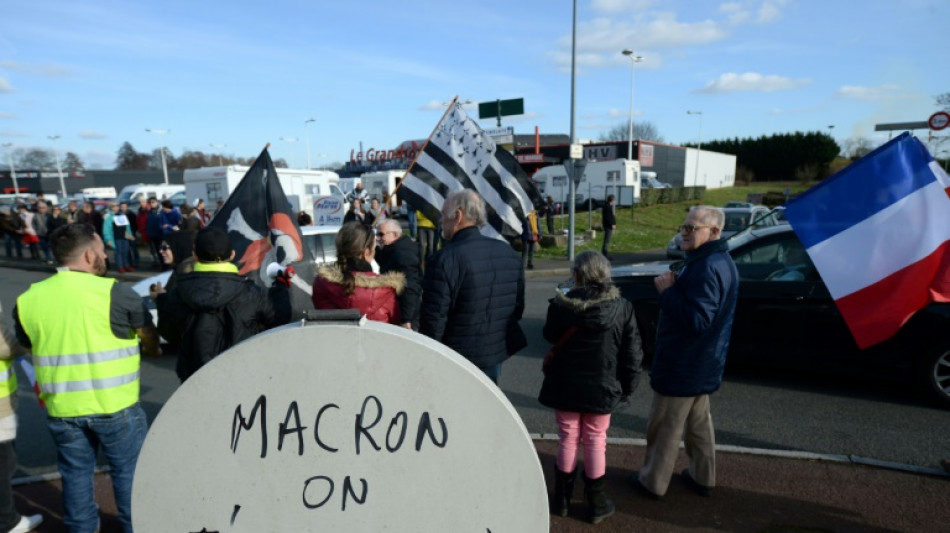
7 378
82 368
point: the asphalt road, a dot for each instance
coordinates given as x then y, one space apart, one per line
754 408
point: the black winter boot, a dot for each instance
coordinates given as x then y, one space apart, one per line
601 506
563 489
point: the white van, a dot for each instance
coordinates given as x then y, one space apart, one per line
619 177
131 193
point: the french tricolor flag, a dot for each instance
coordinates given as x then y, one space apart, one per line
879 234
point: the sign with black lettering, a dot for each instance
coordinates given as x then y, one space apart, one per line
338 428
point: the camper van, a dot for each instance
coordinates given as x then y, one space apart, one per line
381 182
131 193
300 186
619 177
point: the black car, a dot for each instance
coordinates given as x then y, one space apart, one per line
786 318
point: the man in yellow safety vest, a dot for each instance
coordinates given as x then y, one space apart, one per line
86 356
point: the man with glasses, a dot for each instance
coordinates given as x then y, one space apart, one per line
697 306
398 253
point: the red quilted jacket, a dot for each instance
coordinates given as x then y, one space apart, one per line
375 295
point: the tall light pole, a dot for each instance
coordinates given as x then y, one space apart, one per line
572 186
633 62
219 147
164 165
289 140
308 121
59 167
16 188
699 149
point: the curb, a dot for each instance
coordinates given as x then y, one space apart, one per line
784 454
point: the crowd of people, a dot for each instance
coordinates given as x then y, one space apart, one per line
468 294
123 229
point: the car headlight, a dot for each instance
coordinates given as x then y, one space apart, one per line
674 244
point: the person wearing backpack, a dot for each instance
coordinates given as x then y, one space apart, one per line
213 307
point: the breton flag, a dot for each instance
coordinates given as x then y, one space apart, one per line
459 156
263 229
879 234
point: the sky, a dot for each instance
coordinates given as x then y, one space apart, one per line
232 76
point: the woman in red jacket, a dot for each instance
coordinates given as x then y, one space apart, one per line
352 283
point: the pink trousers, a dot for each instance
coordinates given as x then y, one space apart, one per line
591 429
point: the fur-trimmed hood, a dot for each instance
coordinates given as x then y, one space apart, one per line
592 309
368 280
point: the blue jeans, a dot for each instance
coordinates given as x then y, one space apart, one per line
493 372
413 224
120 435
11 242
121 253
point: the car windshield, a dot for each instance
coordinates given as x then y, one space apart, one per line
736 221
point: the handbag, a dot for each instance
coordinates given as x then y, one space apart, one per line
548 357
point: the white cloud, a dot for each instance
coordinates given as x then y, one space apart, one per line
619 6
867 94
91 134
46 70
752 81
7 114
5 86
770 11
11 133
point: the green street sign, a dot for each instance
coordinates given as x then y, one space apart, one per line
501 108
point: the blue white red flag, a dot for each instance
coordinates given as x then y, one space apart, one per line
879 234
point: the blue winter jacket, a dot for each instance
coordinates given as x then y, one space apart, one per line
473 298
695 323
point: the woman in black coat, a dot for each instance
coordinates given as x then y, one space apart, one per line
594 365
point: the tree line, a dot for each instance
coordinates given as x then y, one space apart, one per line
128 158
781 157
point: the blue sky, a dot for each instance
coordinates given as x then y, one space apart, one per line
242 74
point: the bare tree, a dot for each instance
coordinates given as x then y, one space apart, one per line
641 130
857 147
72 163
943 101
34 159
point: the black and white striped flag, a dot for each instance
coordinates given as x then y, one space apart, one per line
459 156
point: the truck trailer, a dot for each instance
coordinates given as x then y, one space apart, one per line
619 177
302 187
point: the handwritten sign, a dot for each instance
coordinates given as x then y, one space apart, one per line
338 428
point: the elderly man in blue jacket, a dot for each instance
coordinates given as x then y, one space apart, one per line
697 306
473 291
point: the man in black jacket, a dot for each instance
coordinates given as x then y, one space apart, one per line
399 253
473 291
609 223
213 307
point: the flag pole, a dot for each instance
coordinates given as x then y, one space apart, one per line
439 123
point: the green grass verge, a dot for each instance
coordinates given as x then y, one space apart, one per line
648 228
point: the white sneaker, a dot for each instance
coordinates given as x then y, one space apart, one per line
27 523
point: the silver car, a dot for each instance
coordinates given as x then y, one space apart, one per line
737 219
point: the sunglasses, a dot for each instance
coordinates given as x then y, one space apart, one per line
690 228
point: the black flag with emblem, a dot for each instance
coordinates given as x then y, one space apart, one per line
263 230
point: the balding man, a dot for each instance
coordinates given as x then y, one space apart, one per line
399 253
473 291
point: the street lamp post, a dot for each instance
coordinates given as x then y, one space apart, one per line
16 188
219 147
633 62
59 167
308 121
699 149
164 165
289 140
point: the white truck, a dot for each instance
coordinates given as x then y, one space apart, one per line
302 187
159 191
619 177
381 182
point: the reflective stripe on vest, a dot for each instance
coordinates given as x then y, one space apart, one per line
82 368
7 378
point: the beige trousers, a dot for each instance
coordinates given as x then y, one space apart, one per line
673 419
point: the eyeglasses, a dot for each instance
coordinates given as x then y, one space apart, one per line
690 228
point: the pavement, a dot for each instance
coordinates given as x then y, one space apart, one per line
758 491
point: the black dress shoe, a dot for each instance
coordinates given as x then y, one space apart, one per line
633 479
702 490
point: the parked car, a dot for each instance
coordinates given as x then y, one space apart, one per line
653 183
785 318
737 219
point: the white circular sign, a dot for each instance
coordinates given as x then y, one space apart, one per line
939 120
339 428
